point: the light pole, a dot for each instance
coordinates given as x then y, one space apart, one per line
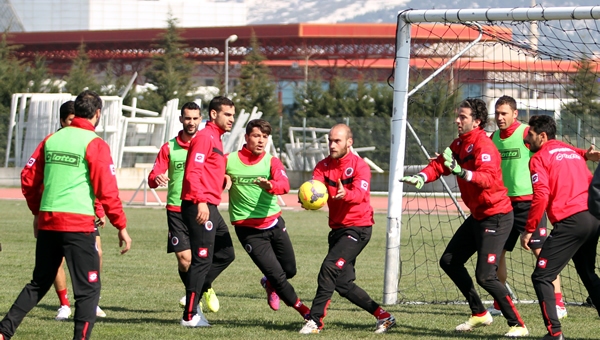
231 38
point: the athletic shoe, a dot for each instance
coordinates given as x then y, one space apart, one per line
554 337
100 313
212 302
182 302
272 297
202 317
493 311
474 322
63 313
195 321
310 327
517 331
561 312
384 325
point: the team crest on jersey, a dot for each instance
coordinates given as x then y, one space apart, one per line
486 157
491 258
208 225
93 276
364 185
199 158
174 240
248 248
203 252
470 148
283 173
542 263
534 178
340 263
31 162
348 171
543 231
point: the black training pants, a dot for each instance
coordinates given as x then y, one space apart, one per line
81 255
486 238
337 272
272 252
212 252
575 237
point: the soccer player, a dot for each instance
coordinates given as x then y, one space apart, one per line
74 167
560 179
168 171
67 114
256 179
347 178
475 161
203 182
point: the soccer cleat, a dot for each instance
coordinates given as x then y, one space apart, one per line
384 325
561 312
516 332
554 337
310 327
212 302
64 312
493 311
99 312
272 297
195 321
182 302
474 322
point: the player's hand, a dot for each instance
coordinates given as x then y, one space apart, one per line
452 164
416 180
101 222
592 154
228 182
162 180
341 192
264 183
35 225
203 213
124 239
431 159
525 237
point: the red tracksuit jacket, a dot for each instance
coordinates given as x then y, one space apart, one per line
485 194
354 210
560 180
205 167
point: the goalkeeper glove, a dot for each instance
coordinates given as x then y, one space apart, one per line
452 164
416 180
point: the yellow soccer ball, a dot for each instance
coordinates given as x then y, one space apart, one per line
313 195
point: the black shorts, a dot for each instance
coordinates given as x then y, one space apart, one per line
521 210
179 238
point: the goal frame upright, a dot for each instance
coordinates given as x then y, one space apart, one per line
406 18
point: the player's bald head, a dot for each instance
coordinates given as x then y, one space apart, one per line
342 129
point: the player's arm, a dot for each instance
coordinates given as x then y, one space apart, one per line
594 195
158 176
199 150
541 193
104 184
356 191
487 163
32 178
430 173
279 183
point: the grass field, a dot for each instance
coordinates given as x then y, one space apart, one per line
141 289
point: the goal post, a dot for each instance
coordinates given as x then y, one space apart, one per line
532 54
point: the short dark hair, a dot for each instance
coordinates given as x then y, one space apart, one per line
217 102
87 103
478 109
189 106
507 100
261 124
67 109
545 124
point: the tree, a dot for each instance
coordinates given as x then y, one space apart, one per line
80 76
256 86
170 71
585 89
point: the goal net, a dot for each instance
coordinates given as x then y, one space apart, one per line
545 58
